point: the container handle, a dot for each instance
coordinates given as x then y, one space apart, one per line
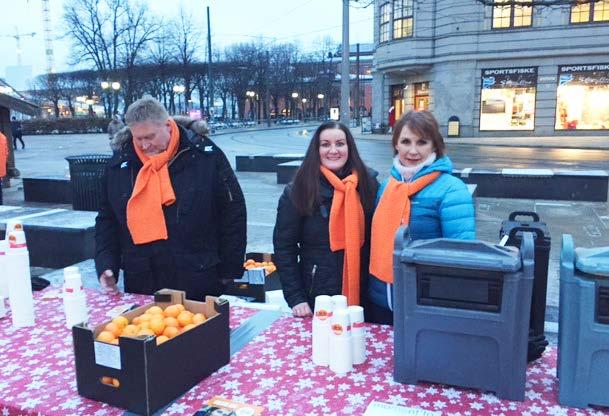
535 230
531 214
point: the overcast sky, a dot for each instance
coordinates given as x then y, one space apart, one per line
233 21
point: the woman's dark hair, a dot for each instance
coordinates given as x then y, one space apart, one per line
305 187
424 124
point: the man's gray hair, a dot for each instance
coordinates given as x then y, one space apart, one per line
146 108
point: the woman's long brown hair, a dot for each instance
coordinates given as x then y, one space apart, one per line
305 186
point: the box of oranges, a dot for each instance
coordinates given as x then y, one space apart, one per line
260 276
147 357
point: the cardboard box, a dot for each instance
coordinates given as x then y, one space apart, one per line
244 288
152 376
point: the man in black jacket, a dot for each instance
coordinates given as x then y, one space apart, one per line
205 225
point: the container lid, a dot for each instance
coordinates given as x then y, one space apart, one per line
593 260
473 254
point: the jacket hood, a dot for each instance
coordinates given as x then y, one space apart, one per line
444 165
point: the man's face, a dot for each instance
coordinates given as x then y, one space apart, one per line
152 137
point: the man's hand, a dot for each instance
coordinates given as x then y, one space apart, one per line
301 310
108 282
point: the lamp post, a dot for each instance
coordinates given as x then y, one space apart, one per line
294 97
116 86
105 85
251 95
179 90
304 114
320 98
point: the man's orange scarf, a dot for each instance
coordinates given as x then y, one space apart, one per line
392 211
151 192
3 155
347 230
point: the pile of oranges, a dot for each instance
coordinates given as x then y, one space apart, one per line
164 324
268 266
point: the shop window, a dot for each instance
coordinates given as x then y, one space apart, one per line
402 18
385 22
507 99
590 11
506 14
421 96
582 97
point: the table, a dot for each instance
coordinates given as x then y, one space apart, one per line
274 370
37 363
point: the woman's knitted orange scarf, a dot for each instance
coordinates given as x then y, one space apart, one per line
152 191
347 230
392 211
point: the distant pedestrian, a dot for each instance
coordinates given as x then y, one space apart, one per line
17 131
391 118
114 126
3 160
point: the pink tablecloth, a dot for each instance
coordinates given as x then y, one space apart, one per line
37 363
275 371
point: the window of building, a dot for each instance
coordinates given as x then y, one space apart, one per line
385 22
402 18
582 97
590 11
507 99
512 15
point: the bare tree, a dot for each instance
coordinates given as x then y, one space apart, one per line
186 42
47 89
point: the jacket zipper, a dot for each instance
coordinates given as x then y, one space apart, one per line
168 165
230 194
313 271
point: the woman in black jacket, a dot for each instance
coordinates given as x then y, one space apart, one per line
309 246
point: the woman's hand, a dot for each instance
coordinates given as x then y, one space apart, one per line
301 310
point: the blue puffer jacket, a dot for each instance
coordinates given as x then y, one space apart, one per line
443 209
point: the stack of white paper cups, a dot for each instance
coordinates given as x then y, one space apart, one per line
74 298
19 283
3 277
358 334
341 360
321 329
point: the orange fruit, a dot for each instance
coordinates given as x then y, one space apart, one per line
130 331
171 311
144 325
160 339
107 380
169 321
154 310
198 318
114 328
114 341
188 327
145 317
121 321
115 382
171 331
136 321
157 325
146 331
185 318
180 307
105 336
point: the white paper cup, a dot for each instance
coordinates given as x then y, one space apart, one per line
339 302
358 342
356 318
323 308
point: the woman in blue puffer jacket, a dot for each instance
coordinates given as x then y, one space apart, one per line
420 192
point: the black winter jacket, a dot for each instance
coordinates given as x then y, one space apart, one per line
306 265
206 225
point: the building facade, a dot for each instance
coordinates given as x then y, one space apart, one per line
503 68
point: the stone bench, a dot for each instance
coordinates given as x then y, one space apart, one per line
287 170
56 238
568 185
56 189
264 162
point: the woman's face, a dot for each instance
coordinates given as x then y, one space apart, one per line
413 149
333 149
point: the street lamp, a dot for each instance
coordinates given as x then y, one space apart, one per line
179 89
251 95
116 86
320 97
294 97
304 116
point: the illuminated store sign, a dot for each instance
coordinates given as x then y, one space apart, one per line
507 99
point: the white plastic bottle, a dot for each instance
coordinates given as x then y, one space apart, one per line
19 280
74 298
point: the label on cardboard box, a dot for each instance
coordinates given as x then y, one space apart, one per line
385 409
107 354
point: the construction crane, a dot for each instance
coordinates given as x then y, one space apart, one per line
17 36
48 37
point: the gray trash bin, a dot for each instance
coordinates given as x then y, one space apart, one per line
461 314
86 172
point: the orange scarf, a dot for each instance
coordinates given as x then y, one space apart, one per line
347 230
392 211
151 192
3 155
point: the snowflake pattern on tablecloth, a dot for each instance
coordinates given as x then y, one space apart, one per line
275 371
37 373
